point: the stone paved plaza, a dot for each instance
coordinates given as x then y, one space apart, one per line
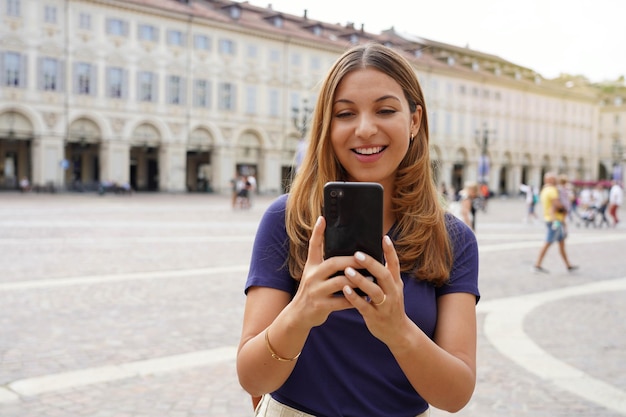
131 306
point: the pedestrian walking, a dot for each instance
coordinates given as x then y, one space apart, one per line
411 341
531 198
470 203
554 216
616 198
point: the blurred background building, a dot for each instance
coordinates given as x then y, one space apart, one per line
179 96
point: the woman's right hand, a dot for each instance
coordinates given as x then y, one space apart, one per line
315 298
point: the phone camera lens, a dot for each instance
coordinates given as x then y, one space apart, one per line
333 193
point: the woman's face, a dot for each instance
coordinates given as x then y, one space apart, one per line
371 126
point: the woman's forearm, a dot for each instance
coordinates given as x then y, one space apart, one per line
265 361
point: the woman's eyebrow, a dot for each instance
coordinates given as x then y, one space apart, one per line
383 98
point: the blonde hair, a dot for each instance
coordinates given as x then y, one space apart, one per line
423 245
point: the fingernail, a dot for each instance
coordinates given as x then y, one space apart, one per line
387 240
319 220
347 290
360 256
350 271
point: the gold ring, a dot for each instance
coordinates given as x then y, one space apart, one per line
381 303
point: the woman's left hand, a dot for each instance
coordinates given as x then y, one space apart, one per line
384 306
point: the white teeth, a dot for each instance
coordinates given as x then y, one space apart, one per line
368 151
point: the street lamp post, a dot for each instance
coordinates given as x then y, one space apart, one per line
482 140
300 120
618 154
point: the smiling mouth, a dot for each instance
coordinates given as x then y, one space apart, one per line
369 151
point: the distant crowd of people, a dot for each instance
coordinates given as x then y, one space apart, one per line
590 205
243 186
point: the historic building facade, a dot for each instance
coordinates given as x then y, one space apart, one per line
166 95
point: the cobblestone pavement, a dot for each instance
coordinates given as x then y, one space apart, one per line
131 306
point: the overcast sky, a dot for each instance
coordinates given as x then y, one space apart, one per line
548 36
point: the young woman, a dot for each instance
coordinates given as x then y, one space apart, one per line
411 341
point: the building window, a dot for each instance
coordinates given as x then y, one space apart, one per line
175 90
252 51
175 38
117 27
84 21
147 86
235 12
116 82
50 74
251 97
148 33
227 47
296 59
201 93
316 63
85 79
201 42
277 21
13 8
226 96
274 107
275 56
50 14
11 71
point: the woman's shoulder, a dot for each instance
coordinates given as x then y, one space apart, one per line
457 229
279 203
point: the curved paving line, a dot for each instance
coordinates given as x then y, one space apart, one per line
503 327
65 380
106 279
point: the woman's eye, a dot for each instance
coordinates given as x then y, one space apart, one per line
387 111
343 114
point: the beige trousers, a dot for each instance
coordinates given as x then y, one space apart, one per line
269 407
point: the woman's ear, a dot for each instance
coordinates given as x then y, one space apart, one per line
416 121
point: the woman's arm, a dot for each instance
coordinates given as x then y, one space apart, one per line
273 323
258 371
443 371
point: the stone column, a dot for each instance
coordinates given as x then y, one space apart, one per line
172 159
223 168
47 161
272 175
115 162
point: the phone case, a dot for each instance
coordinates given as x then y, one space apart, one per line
354 220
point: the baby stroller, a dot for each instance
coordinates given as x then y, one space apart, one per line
594 216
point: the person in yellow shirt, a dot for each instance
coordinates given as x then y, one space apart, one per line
554 215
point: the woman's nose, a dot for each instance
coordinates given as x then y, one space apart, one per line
366 127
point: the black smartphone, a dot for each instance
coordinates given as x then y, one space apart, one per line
354 221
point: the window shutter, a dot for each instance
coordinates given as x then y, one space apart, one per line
183 90
75 76
23 71
61 75
93 80
138 86
124 84
3 77
155 88
40 73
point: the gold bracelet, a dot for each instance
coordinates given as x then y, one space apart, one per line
274 355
